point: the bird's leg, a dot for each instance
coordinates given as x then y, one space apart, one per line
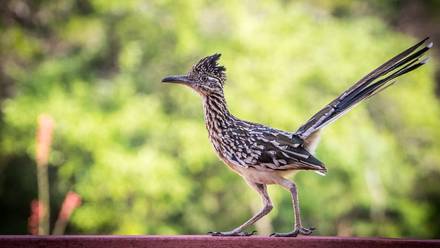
262 190
298 228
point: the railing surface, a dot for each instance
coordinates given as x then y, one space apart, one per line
206 241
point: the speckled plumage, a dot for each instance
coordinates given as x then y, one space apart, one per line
263 155
250 145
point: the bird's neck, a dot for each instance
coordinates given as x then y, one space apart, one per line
217 116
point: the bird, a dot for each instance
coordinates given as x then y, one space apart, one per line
263 155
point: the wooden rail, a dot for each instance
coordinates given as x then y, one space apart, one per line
206 241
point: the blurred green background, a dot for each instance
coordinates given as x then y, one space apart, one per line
137 151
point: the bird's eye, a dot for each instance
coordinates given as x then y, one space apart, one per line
204 78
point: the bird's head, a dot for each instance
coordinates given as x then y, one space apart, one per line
206 77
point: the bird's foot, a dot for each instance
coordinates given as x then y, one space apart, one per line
233 233
298 230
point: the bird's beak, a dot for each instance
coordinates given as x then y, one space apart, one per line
177 79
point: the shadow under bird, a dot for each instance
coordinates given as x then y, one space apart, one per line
263 155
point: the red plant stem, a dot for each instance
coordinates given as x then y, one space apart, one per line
34 218
72 201
44 140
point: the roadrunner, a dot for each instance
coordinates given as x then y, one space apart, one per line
263 155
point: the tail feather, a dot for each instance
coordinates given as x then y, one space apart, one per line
373 83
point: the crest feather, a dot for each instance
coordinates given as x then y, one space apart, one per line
210 66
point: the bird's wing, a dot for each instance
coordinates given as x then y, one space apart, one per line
274 150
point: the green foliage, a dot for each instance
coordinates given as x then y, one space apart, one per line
138 153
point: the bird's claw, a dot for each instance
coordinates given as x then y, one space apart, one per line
233 233
298 230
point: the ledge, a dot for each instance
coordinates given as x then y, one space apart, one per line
206 241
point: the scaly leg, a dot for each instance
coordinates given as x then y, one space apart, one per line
262 190
298 228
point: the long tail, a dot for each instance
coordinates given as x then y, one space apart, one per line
376 81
